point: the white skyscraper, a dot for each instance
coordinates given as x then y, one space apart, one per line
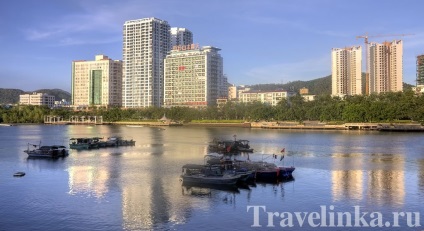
181 36
194 77
386 67
145 46
346 71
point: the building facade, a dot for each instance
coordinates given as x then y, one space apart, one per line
386 70
38 99
420 70
194 77
346 70
97 83
146 43
268 97
181 36
232 92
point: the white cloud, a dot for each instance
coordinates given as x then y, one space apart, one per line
97 19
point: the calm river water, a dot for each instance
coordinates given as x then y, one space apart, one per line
138 188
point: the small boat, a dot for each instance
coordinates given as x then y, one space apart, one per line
208 175
52 151
86 143
19 174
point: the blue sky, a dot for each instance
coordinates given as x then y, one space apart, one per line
262 41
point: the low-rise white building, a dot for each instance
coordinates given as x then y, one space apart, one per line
37 99
267 97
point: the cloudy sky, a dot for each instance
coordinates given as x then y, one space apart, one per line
262 41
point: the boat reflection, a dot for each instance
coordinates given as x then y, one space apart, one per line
197 189
421 176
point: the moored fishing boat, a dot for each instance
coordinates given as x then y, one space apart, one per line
83 143
201 174
45 151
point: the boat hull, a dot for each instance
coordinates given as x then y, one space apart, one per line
286 172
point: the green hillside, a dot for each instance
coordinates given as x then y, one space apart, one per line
11 96
320 86
316 87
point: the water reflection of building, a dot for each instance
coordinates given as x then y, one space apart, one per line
386 185
347 177
149 200
421 176
146 176
88 180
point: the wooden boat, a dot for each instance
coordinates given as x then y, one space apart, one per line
52 151
82 143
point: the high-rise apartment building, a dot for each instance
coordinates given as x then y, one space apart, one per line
194 77
346 71
146 43
181 36
420 70
97 83
386 71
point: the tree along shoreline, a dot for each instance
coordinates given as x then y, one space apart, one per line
389 107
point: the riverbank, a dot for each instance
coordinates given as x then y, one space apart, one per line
309 125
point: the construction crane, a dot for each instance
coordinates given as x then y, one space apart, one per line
365 37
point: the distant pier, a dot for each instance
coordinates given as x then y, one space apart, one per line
73 120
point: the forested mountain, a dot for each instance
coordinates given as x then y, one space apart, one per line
58 94
11 96
320 86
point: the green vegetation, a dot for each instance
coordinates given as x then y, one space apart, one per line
387 107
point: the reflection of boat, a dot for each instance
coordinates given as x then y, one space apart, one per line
116 141
206 189
207 175
19 174
135 126
45 151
